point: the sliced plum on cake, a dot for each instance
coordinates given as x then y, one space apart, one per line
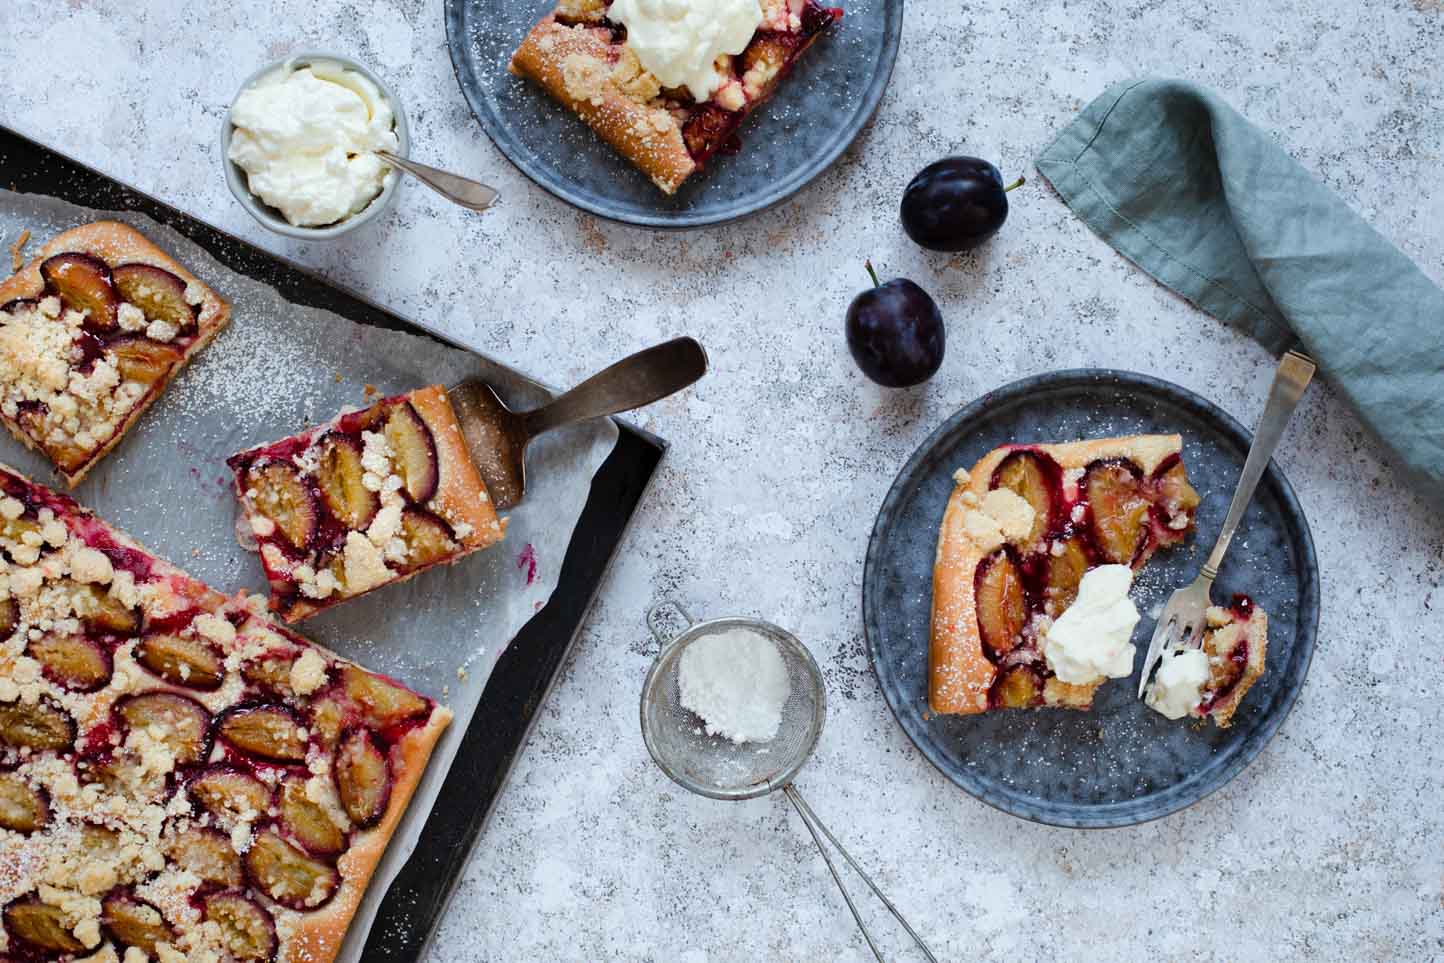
73 662
372 497
1022 531
159 294
23 808
179 722
36 726
84 283
133 922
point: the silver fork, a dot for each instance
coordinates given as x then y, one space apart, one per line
1182 621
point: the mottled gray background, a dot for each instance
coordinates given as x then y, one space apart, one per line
1331 845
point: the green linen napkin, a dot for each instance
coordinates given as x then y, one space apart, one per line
1182 185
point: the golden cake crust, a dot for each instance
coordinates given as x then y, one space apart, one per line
578 67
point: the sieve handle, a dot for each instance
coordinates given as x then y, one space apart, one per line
814 826
654 619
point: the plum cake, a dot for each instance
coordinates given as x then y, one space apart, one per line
91 332
1021 529
1211 681
181 779
580 54
370 498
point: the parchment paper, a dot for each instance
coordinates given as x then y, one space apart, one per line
278 368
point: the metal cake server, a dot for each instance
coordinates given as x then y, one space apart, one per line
1182 621
455 188
497 437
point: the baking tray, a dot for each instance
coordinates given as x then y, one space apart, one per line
524 672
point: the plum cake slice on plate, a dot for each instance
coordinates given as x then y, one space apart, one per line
91 331
180 777
1211 681
370 498
1022 529
581 54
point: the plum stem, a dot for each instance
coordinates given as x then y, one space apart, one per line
871 273
1017 183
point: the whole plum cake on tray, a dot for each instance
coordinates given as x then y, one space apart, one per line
1022 528
666 126
370 498
180 778
91 331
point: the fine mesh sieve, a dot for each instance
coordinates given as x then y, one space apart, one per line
713 765
716 767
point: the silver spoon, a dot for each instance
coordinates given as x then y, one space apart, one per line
497 437
461 190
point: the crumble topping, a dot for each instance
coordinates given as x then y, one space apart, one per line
131 318
585 77
308 673
999 516
46 391
115 803
364 565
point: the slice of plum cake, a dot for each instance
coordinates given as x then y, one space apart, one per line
180 777
1210 682
1021 529
580 55
91 332
370 498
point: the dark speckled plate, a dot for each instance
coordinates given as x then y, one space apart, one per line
1122 763
815 114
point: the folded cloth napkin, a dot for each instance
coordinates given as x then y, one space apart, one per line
1190 191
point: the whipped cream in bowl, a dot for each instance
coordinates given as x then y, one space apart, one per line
298 145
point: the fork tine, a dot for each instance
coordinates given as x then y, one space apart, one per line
1162 632
1195 635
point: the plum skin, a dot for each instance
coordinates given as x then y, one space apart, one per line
955 204
895 333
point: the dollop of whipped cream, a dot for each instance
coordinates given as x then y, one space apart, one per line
1089 641
305 140
1178 685
679 41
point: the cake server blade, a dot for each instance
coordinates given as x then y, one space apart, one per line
497 437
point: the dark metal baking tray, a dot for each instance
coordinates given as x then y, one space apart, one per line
524 673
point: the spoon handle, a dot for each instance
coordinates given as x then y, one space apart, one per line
647 376
461 190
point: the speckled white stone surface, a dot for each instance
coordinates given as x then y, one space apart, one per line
1331 846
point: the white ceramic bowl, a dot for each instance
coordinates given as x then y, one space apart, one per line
272 218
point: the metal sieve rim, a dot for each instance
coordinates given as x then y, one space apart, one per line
651 693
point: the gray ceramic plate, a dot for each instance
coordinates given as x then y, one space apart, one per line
1122 763
814 116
